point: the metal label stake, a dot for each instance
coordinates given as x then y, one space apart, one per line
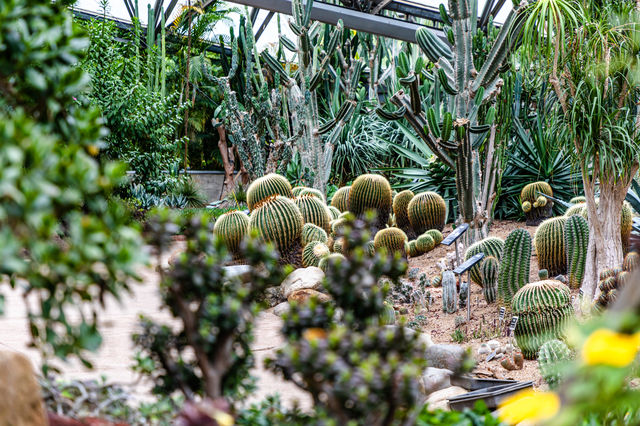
466 267
453 238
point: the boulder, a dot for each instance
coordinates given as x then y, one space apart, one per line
273 296
21 401
304 295
302 278
281 309
445 356
435 379
440 399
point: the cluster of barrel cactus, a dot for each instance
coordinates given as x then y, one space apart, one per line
612 280
552 357
371 192
491 246
515 265
416 214
549 242
543 309
536 206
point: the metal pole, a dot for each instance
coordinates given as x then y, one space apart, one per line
468 296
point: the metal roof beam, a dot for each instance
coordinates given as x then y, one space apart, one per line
264 24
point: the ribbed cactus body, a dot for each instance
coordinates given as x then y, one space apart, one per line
543 309
312 192
535 205
550 246
437 280
552 357
370 248
339 245
412 249
576 234
427 210
515 265
526 206
388 315
531 191
371 192
575 210
232 227
490 269
391 239
311 232
333 257
267 186
278 220
449 292
313 253
334 212
340 199
578 200
400 205
631 261
314 211
298 190
436 235
543 274
491 246
425 243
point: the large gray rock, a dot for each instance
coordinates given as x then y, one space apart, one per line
435 379
303 278
239 271
21 401
445 356
281 309
440 399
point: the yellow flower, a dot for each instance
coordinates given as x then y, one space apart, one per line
610 348
534 407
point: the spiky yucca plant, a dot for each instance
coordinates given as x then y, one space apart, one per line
491 246
232 228
550 248
543 309
340 199
311 232
426 211
576 233
279 220
266 186
371 192
314 211
515 265
391 239
313 253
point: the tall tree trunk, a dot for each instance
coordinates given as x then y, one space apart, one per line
186 111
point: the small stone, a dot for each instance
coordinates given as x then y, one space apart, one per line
302 278
435 379
273 296
281 309
562 279
493 344
303 296
237 271
21 402
484 349
440 399
450 357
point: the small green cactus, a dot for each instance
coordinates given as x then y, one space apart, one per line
314 211
391 239
531 191
278 219
552 357
339 245
296 191
436 235
536 206
232 228
543 274
631 261
526 206
575 210
412 249
340 199
311 232
370 248
427 210
400 205
334 212
266 186
576 233
491 246
449 292
313 253
388 315
437 280
550 246
490 269
425 244
515 265
543 309
371 192
312 192
334 257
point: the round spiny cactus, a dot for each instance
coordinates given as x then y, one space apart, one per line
298 190
543 274
311 232
266 186
427 210
340 199
391 239
578 200
278 220
515 265
631 261
550 246
531 191
542 201
526 206
313 192
425 243
543 309
314 211
334 212
552 357
437 280
232 227
436 235
339 245
400 206
371 192
536 206
576 233
574 210
333 257
412 249
626 220
313 253
388 315
370 248
491 246
490 269
338 225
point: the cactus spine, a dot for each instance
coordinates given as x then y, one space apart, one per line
490 269
543 308
311 232
491 246
232 227
449 293
314 193
391 239
266 186
313 253
536 207
371 192
576 233
340 199
332 258
515 265
551 357
400 205
427 210
279 220
314 211
334 212
631 261
425 244
549 243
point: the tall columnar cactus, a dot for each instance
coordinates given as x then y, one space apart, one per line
314 211
391 239
450 126
266 186
576 234
491 246
490 269
311 232
537 207
278 219
340 199
436 235
426 211
313 253
400 205
425 243
371 192
550 248
232 227
515 265
334 212
552 357
543 309
449 292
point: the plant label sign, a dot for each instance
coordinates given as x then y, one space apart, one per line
503 310
469 264
513 324
581 293
457 233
